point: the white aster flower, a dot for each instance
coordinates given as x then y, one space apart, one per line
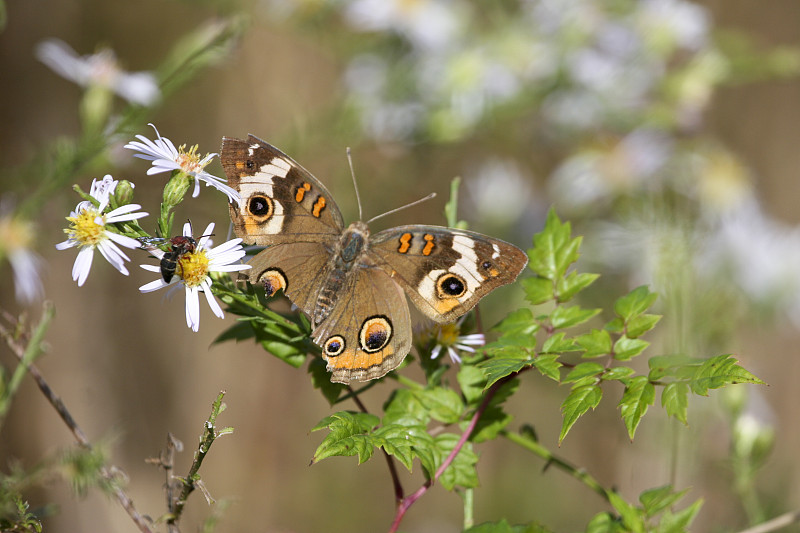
16 237
449 337
193 271
166 158
100 69
88 230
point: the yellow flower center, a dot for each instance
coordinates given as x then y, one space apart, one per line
84 229
15 234
448 335
193 268
189 161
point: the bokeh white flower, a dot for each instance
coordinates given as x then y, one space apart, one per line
194 269
89 231
449 338
166 158
100 69
16 240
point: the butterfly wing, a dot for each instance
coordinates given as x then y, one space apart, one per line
281 201
445 271
368 332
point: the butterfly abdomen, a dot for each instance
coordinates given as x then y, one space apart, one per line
346 256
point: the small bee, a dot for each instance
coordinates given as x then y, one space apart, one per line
169 261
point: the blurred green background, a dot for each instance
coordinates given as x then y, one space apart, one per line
664 130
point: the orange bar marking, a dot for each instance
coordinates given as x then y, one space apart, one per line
301 192
429 246
319 205
405 243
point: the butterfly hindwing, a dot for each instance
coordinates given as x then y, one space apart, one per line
445 271
368 332
281 201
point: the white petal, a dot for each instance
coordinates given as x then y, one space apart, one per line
83 265
192 309
124 240
153 285
151 268
69 243
206 236
113 255
228 268
435 351
212 302
187 229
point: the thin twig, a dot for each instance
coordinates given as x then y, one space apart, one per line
65 415
776 523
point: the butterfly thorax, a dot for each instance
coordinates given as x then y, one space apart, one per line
346 256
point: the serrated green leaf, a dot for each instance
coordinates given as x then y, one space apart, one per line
321 379
424 449
656 500
559 344
349 435
618 373
679 522
461 471
443 404
638 396
631 516
240 331
496 369
472 381
493 420
718 372
675 399
596 343
678 366
604 522
518 322
579 400
568 316
638 326
615 325
396 441
538 290
634 303
584 370
549 366
626 349
572 284
551 248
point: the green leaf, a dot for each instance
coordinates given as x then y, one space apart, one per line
656 500
472 381
442 404
461 472
675 399
538 290
634 303
424 449
349 435
293 355
568 316
553 249
497 368
503 527
638 395
718 372
493 420
626 349
549 366
240 331
321 379
572 284
558 344
617 373
518 322
680 366
638 326
396 441
405 407
584 370
679 522
604 522
579 400
596 343
632 517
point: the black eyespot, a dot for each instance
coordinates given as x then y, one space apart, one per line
259 206
376 339
250 164
334 346
451 286
486 265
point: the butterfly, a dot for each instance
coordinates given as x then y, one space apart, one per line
350 283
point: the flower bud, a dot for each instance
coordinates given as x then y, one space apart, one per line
123 194
176 188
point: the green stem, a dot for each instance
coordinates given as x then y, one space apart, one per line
552 459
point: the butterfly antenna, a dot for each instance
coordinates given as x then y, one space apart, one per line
395 210
355 184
